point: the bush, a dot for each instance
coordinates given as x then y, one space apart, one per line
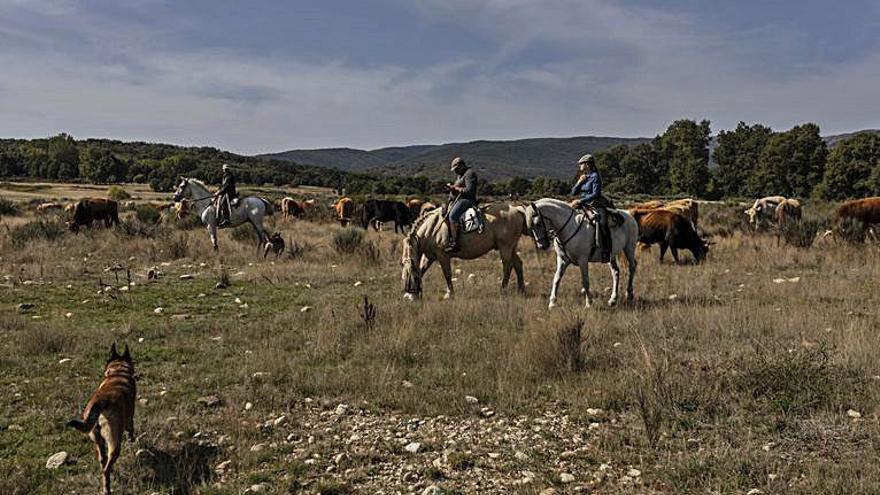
8 207
50 230
348 240
117 193
135 227
800 381
801 234
147 214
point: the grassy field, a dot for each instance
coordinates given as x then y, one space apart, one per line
756 370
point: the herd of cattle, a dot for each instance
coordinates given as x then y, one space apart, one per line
671 224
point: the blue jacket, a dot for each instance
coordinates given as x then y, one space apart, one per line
589 190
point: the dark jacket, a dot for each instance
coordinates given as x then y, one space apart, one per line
468 179
228 186
589 190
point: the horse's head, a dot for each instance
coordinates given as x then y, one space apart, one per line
412 272
536 224
181 191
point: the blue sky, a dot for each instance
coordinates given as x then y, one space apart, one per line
259 76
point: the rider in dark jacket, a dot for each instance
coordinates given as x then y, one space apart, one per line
588 193
462 195
225 196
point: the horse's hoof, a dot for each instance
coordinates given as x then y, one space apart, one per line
409 297
447 296
551 305
612 302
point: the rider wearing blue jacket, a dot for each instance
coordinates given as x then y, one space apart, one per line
587 192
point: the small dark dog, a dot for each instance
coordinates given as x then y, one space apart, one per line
110 412
274 243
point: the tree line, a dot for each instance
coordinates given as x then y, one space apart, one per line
749 161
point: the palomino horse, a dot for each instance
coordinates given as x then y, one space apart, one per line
250 209
425 242
575 238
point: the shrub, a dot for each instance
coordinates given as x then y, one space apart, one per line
50 230
245 233
147 214
568 339
801 234
800 381
296 250
348 240
8 207
117 193
134 227
44 340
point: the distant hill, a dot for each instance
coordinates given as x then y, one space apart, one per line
832 141
553 157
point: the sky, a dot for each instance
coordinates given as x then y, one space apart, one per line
261 76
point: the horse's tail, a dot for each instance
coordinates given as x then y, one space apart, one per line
411 261
270 208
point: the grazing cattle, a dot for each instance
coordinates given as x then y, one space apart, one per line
415 208
763 211
788 211
45 208
380 210
291 208
89 210
181 208
344 210
687 208
670 230
866 211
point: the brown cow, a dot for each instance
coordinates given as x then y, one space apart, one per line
670 230
89 210
866 211
344 210
788 211
291 208
686 207
415 207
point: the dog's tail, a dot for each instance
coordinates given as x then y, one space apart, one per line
91 419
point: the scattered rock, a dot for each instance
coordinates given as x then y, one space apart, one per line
187 276
341 410
520 456
549 491
64 360
413 447
280 420
432 490
259 488
635 473
223 467
754 491
566 478
248 406
57 460
305 309
159 310
209 401
470 399
852 413
180 317
358 283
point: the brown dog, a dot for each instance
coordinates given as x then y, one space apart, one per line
110 411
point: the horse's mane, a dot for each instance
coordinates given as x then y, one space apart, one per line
413 231
197 181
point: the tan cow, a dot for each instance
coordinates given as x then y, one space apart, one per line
688 208
788 211
344 210
763 211
45 208
290 208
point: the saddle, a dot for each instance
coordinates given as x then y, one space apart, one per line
473 220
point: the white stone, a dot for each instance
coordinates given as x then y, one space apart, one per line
635 473
566 478
852 413
248 406
64 360
413 447
470 399
159 310
56 460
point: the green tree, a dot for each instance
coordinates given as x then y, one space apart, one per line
640 172
100 166
737 156
683 151
62 160
853 168
792 162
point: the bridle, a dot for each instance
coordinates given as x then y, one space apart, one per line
555 234
210 196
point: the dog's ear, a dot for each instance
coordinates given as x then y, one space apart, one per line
126 355
113 353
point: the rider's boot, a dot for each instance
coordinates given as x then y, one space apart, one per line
452 244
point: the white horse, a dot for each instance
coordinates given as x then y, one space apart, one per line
575 242
250 209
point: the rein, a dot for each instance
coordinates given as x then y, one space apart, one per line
555 235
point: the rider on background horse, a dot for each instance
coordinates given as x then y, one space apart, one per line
462 196
225 196
588 193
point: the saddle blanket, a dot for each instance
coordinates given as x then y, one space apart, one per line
473 220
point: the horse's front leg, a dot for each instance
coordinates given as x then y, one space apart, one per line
632 264
212 231
425 264
446 265
585 281
518 269
561 266
615 281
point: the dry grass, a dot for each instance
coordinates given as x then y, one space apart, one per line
712 364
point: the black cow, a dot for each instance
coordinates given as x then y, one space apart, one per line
89 210
380 210
670 230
